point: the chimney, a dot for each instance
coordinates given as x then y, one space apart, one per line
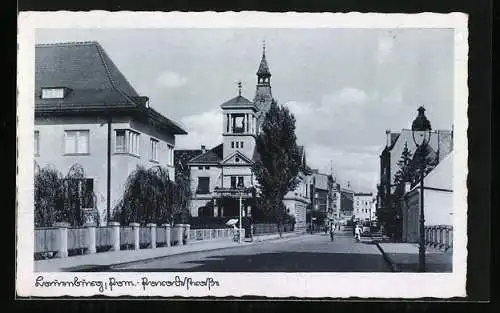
388 137
203 148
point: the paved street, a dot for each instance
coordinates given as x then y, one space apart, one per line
310 253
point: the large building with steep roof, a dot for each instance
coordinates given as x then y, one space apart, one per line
217 172
89 117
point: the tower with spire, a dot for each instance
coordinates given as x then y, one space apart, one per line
263 95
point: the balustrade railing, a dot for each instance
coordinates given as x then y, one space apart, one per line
439 236
61 240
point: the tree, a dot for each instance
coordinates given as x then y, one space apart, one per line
406 172
49 202
279 164
425 158
183 192
410 168
150 197
77 196
62 199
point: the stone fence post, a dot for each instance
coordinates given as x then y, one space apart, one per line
135 230
62 240
115 235
152 228
167 234
186 229
441 236
451 237
180 234
90 238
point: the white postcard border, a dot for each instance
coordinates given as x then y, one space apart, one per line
380 285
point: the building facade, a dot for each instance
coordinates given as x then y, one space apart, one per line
216 173
88 116
321 192
438 201
363 203
440 144
388 194
346 203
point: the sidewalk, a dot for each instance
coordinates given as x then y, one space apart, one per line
403 257
106 259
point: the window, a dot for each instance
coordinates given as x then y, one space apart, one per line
37 142
203 185
76 142
238 124
232 144
52 93
207 167
237 182
237 144
154 149
170 156
200 168
133 142
127 141
120 145
241 144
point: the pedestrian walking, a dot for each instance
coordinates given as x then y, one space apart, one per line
332 231
358 233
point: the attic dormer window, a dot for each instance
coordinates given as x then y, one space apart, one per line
52 93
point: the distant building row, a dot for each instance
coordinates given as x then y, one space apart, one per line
340 203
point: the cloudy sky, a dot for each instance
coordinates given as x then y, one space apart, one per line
345 86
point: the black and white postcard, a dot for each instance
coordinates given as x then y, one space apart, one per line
233 154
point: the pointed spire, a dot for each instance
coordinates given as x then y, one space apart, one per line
263 71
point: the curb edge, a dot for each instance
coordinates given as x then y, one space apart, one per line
387 259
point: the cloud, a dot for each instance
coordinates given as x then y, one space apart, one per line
336 114
203 129
358 165
342 129
384 48
171 79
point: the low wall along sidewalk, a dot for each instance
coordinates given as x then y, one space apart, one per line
62 241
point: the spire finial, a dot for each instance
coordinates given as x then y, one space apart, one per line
264 47
239 88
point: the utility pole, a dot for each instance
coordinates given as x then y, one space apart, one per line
241 202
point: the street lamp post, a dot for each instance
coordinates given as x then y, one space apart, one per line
241 213
421 132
